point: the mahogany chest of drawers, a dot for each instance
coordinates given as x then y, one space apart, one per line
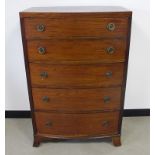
76 64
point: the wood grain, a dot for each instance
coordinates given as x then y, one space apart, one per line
75 27
77 50
74 125
75 39
116 140
63 76
75 100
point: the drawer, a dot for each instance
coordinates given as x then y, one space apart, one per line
77 100
45 28
62 76
110 50
77 125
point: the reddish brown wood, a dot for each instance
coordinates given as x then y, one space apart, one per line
78 11
77 50
63 76
76 62
74 125
75 27
37 141
77 100
28 76
125 73
116 140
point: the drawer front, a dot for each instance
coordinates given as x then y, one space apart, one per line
77 100
59 76
36 28
76 125
110 50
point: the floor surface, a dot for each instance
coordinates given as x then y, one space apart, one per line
135 140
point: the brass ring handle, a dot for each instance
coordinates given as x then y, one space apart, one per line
41 50
105 123
111 26
45 99
110 50
48 124
44 75
108 74
40 28
106 99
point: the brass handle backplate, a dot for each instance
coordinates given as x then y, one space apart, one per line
111 26
106 99
41 50
48 124
105 123
44 75
110 50
40 28
45 99
108 74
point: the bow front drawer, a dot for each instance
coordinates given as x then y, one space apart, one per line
98 99
60 76
77 125
41 28
110 50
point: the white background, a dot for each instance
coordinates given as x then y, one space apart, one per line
137 92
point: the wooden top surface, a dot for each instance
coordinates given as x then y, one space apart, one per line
75 9
50 11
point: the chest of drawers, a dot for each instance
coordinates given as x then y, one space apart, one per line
76 65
